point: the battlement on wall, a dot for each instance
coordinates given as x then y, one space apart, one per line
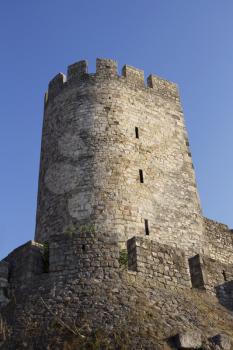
25 262
19 268
214 277
89 255
172 268
108 69
83 254
219 241
166 265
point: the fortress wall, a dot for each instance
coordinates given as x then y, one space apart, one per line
82 254
126 303
91 158
4 274
213 276
219 241
25 262
216 273
224 293
168 267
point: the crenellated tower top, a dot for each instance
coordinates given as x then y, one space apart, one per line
108 69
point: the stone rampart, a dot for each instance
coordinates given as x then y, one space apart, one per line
219 241
25 262
85 283
214 277
167 266
83 254
90 255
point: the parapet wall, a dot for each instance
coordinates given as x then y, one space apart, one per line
165 265
214 277
25 262
19 268
173 269
217 273
82 254
219 241
117 299
90 255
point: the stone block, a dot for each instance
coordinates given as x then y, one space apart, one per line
188 340
197 272
134 75
77 70
222 340
163 86
56 84
106 67
25 261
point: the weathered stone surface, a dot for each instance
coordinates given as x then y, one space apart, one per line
197 272
167 266
24 263
189 340
4 273
219 241
223 341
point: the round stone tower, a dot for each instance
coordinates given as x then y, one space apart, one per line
115 156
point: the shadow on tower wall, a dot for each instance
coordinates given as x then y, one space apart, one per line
224 293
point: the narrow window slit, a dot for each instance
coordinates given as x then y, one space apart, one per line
83 248
136 132
147 231
141 176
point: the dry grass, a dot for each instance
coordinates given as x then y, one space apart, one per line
5 330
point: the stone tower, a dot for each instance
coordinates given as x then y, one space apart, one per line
115 154
122 257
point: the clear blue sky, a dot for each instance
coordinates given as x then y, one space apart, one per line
186 41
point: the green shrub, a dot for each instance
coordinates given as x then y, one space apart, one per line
123 258
70 230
